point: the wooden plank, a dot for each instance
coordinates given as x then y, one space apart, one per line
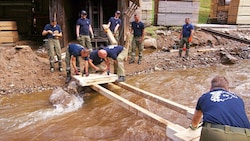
243 11
132 107
178 7
207 49
8 25
8 39
176 19
244 3
110 35
95 79
188 135
173 131
165 102
13 34
243 20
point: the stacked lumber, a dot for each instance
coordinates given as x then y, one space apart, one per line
175 12
8 32
243 12
233 12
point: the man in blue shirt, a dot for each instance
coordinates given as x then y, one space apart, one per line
53 31
118 54
224 116
137 27
186 37
84 30
114 23
72 53
96 57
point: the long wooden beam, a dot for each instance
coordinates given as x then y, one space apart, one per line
132 107
165 102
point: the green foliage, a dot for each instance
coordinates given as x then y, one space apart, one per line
204 10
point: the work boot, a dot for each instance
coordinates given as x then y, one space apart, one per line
180 52
121 79
68 78
187 51
51 66
131 61
60 66
51 69
139 60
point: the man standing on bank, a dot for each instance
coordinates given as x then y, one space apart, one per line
53 32
186 37
224 116
72 53
137 27
84 31
114 23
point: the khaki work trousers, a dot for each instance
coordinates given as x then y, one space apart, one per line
136 43
54 48
85 41
215 134
119 64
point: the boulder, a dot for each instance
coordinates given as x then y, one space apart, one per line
150 43
227 58
61 98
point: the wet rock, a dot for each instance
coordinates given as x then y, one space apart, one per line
226 58
59 97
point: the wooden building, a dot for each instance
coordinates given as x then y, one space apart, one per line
32 15
230 11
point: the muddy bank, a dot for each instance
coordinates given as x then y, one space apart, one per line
27 70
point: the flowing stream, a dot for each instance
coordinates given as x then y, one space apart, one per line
30 117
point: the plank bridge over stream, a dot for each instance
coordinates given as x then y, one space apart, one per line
173 131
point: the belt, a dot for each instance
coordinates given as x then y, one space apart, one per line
137 36
226 128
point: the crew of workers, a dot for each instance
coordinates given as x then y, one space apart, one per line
223 112
84 34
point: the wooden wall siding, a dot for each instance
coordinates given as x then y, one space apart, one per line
146 11
174 12
243 12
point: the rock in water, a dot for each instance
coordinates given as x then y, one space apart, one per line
61 98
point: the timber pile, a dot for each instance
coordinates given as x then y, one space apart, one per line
8 32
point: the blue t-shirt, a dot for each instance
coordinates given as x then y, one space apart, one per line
96 60
186 30
84 26
53 29
222 107
113 51
75 50
138 28
113 22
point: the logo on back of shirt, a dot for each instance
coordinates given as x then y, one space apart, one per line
221 96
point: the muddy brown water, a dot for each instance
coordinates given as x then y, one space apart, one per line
30 117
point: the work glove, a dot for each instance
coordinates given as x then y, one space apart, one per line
190 39
87 74
77 72
92 36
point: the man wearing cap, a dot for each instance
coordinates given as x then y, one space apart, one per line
72 53
53 31
114 23
84 30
